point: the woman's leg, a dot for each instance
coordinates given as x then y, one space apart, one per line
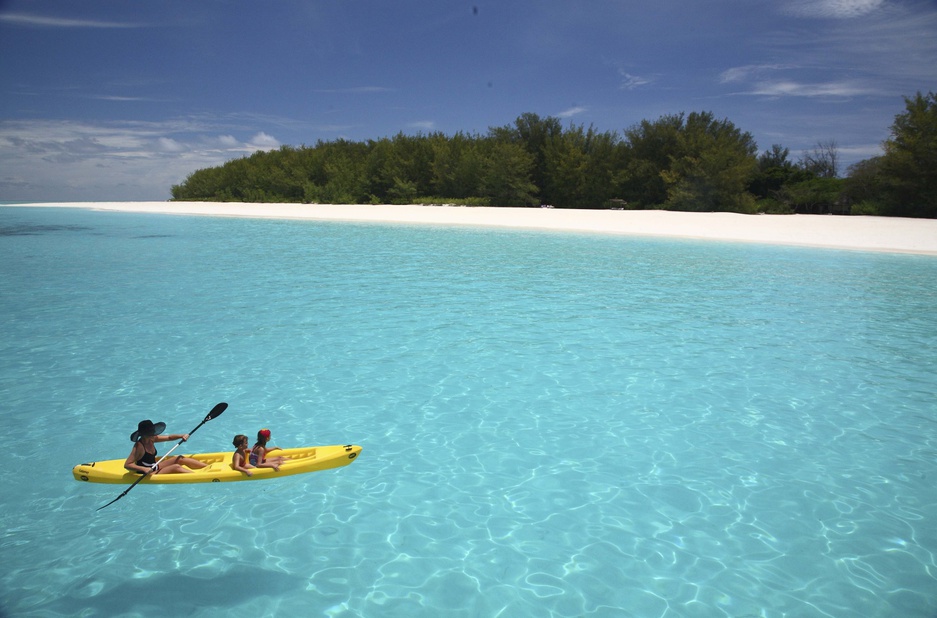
180 463
195 464
172 468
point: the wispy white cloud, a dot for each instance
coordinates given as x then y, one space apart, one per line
786 88
860 151
898 45
630 82
167 144
355 90
129 160
120 99
791 87
262 141
883 55
833 9
788 80
572 111
423 125
43 21
748 72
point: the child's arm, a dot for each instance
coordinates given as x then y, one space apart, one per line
240 465
259 453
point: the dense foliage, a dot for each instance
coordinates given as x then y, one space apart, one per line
906 174
679 162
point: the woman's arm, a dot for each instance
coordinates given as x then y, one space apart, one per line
175 436
131 463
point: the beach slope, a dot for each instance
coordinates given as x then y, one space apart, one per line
886 234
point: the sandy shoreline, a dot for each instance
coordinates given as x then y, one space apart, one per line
886 234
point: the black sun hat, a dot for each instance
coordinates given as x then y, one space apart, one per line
147 428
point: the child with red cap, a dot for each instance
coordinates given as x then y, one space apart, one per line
258 455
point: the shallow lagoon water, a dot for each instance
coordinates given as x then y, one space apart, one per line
553 424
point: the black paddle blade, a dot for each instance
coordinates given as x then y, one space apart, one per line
216 411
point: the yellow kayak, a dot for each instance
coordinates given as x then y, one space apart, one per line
219 470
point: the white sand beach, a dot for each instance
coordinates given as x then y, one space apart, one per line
886 234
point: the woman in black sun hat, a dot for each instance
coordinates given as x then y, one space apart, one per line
142 458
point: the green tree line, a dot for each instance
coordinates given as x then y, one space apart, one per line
692 162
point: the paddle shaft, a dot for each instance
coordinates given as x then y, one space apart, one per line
215 412
207 418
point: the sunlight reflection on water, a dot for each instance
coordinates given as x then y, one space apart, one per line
552 424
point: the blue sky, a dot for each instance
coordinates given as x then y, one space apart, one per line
117 100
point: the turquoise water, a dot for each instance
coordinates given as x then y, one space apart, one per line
553 424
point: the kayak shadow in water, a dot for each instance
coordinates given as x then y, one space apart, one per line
175 594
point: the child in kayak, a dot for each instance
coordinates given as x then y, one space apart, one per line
240 460
142 458
259 457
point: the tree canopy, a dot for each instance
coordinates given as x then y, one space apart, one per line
680 162
909 166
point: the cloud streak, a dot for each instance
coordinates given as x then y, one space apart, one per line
786 88
131 160
422 125
855 54
756 82
572 111
760 80
630 82
748 72
42 21
355 90
833 9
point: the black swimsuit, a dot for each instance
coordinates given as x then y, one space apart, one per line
147 460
